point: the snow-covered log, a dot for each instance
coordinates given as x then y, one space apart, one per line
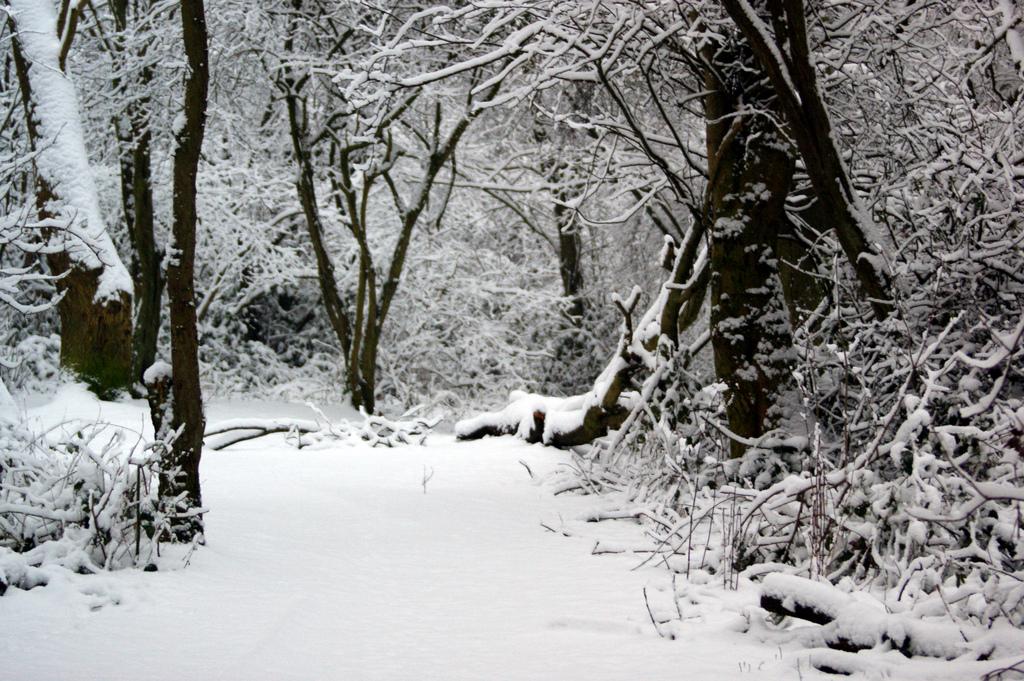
850 625
578 420
233 431
373 430
802 598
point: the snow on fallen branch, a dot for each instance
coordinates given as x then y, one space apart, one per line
643 348
373 430
850 625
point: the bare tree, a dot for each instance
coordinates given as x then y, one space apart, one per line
784 55
750 169
364 151
181 481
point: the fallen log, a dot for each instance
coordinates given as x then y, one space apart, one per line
791 596
559 422
849 625
581 419
233 431
373 430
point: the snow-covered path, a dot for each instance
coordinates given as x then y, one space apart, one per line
333 564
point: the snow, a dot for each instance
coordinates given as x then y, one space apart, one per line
344 563
62 158
1013 37
860 621
517 417
157 371
793 591
6 401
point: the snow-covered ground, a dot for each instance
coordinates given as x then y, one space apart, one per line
336 563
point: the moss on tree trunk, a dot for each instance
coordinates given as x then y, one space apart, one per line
95 336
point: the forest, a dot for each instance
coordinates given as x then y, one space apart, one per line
380 339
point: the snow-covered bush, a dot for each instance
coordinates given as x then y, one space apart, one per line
84 500
902 470
36 364
897 464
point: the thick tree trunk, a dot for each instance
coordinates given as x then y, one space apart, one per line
750 174
786 60
182 478
95 334
96 310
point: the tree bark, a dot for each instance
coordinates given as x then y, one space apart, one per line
787 62
570 269
750 172
182 477
137 179
96 309
570 247
137 205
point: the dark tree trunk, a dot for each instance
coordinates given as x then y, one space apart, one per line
572 344
182 478
570 260
146 271
95 334
137 204
795 84
750 172
558 140
306 187
570 266
95 337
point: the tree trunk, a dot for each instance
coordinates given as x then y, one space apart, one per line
570 261
367 378
182 477
306 188
787 62
749 175
137 204
572 343
96 309
137 178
